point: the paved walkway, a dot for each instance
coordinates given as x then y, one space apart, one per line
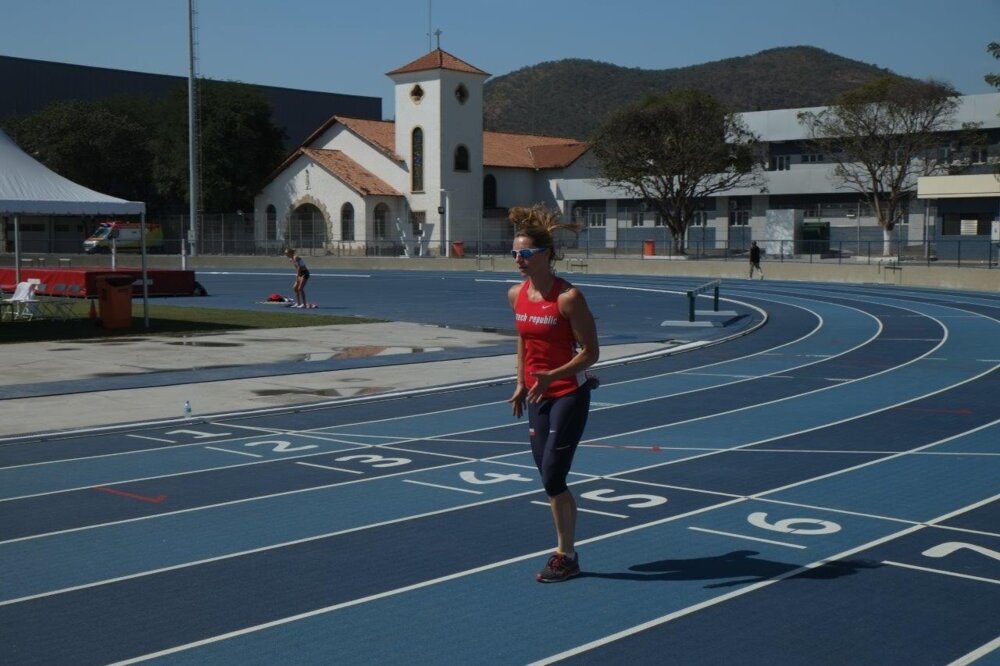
53 386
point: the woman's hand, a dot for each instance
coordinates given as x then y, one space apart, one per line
517 400
542 381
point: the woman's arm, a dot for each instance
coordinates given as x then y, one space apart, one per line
517 399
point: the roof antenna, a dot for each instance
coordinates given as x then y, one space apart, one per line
430 4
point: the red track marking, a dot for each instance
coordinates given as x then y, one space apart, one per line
141 498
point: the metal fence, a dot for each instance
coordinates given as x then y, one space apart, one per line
970 253
476 235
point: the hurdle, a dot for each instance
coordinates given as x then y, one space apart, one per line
692 293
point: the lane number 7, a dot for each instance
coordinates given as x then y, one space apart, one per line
947 548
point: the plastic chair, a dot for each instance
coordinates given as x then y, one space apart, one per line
23 303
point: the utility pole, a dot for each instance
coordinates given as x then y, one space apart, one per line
193 193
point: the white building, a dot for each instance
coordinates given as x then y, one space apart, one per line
431 176
434 176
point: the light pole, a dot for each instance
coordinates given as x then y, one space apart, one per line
446 211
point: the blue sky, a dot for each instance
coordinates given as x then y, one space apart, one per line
346 46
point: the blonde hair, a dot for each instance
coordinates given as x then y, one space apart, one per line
539 223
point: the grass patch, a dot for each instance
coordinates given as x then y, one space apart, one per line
166 320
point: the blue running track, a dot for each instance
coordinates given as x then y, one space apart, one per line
814 481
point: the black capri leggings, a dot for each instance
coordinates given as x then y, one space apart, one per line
556 426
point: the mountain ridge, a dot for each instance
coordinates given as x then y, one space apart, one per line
571 97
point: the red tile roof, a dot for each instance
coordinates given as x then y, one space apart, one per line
437 59
529 151
381 134
352 174
500 149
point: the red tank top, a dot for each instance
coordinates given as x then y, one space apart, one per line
548 338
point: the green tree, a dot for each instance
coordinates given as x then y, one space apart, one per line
673 151
882 136
993 79
89 143
239 145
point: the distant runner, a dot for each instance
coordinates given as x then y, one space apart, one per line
755 260
301 277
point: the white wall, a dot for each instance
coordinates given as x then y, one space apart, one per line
293 187
426 116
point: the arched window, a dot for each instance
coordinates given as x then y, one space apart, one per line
347 222
489 191
461 159
380 227
306 228
271 225
417 160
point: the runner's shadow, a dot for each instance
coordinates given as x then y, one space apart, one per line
739 567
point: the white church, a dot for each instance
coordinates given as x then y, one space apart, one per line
434 183
418 184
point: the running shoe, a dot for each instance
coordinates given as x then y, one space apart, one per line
559 568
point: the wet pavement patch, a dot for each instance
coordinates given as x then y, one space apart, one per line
326 393
205 343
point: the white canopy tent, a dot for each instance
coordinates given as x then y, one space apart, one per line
28 187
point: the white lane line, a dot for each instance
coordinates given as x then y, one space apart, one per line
312 273
710 374
977 654
239 453
594 511
139 452
941 571
823 426
244 500
438 485
877 461
199 470
402 590
580 649
276 546
155 439
909 339
338 402
335 469
668 351
270 431
750 538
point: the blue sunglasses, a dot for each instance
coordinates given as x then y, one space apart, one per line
527 252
